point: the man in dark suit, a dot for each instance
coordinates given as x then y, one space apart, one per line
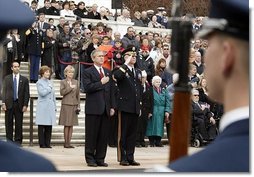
15 101
202 117
13 158
42 25
227 72
94 14
98 108
129 104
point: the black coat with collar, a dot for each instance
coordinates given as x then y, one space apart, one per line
130 89
23 91
97 95
198 113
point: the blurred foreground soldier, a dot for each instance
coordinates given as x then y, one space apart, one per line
227 72
13 158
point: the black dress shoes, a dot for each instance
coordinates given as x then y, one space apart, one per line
102 164
134 163
159 145
143 144
42 146
92 164
124 163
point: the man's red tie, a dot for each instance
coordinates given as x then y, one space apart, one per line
101 73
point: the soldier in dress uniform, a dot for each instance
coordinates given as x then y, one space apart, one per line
34 50
128 103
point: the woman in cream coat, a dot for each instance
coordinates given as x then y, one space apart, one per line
46 107
69 89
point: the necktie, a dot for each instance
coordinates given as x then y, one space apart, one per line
132 70
15 88
101 73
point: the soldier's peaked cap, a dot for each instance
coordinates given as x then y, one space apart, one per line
129 49
227 16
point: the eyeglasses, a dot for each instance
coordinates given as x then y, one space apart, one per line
78 32
88 33
195 95
166 49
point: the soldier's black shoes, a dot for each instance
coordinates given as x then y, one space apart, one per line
134 163
124 163
92 164
102 164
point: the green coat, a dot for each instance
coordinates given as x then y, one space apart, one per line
155 125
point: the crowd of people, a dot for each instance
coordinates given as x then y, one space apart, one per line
127 81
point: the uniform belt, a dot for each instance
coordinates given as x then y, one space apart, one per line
10 49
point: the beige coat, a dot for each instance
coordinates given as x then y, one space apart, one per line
70 103
70 96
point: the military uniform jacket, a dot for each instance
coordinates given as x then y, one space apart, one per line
34 39
130 89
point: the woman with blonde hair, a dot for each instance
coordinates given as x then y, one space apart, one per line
70 107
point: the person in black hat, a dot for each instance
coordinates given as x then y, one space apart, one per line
227 72
128 81
13 158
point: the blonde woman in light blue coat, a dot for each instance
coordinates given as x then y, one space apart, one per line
46 107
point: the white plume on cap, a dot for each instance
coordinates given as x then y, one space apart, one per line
143 73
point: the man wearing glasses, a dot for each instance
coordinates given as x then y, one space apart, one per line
202 116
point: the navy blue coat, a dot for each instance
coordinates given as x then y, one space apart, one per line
130 90
228 153
15 159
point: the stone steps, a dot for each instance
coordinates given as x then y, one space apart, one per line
57 130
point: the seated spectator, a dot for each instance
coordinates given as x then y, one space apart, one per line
66 11
154 24
81 10
137 21
93 14
203 117
55 8
104 14
144 18
125 17
46 9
